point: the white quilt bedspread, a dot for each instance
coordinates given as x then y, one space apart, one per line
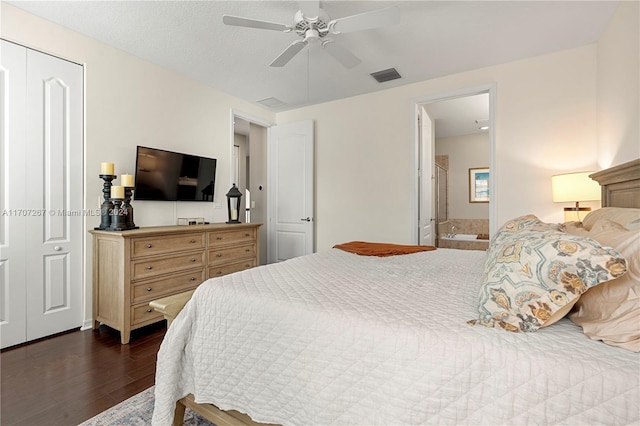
337 338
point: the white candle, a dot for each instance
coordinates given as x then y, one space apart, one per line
127 180
234 214
117 192
106 168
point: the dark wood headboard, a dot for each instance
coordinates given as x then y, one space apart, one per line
620 184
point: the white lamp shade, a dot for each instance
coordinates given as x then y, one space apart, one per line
574 187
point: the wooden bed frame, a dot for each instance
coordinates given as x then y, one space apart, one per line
620 185
620 188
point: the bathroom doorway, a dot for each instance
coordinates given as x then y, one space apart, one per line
462 141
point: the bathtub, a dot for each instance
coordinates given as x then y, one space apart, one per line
461 237
463 242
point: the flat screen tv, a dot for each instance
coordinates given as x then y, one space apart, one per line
170 176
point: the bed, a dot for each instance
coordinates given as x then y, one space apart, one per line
338 338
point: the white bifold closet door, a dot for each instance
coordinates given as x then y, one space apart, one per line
41 183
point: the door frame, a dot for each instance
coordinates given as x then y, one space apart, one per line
491 89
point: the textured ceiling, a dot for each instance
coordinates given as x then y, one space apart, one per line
433 38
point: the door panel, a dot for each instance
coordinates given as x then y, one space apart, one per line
427 150
291 198
13 148
54 137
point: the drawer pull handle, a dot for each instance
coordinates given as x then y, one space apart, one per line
219 255
219 273
218 238
192 241
247 250
149 310
149 288
247 235
149 245
149 267
193 259
193 278
247 265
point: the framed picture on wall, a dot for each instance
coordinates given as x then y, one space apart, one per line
479 185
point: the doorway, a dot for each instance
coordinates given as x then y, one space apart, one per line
249 172
465 120
274 168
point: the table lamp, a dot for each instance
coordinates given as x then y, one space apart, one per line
575 187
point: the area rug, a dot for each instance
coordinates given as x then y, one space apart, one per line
137 411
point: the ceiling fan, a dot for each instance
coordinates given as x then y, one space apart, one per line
313 25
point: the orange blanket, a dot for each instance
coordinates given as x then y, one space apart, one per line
364 248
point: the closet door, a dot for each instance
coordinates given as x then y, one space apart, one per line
48 217
13 148
54 186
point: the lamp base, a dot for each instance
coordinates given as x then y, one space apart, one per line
575 214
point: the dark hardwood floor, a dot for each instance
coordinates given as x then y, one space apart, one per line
69 378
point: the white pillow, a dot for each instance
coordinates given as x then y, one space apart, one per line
627 217
611 311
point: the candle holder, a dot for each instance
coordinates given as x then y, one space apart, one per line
118 216
107 205
127 208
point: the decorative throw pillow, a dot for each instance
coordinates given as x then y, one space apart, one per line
521 223
611 311
533 271
627 217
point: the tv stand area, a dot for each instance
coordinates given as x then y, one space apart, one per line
131 268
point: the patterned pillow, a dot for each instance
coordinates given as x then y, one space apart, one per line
533 270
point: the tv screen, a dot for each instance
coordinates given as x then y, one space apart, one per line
171 176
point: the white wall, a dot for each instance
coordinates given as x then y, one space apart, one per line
618 84
465 152
131 102
544 125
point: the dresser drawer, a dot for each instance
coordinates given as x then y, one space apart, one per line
230 237
143 313
225 255
147 246
154 289
147 268
218 271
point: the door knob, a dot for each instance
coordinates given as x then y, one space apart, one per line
308 219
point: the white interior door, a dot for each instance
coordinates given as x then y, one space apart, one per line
426 184
13 75
291 183
49 218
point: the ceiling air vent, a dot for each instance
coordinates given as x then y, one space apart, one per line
272 102
386 75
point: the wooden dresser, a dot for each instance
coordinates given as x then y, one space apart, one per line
131 268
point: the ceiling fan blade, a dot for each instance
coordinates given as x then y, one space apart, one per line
365 21
288 53
253 23
309 8
340 53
